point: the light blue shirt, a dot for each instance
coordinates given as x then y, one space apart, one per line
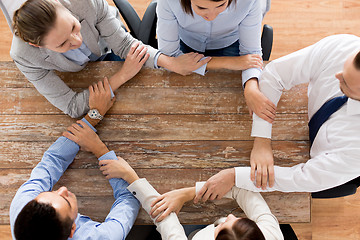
45 175
241 21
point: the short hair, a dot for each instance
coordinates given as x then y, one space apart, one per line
34 20
40 221
186 5
357 61
242 229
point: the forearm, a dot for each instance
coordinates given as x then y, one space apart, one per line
220 63
166 62
118 79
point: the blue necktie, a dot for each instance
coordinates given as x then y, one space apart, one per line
323 114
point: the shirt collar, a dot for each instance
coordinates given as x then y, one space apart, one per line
353 107
207 233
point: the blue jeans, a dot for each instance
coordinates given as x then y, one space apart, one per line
232 50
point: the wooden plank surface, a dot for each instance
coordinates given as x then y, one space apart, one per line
173 130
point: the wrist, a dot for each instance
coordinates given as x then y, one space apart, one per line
165 61
188 194
132 178
93 122
99 149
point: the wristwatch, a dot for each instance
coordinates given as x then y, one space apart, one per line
94 114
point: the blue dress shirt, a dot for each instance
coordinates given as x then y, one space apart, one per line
45 175
241 21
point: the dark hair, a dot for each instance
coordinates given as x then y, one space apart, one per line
357 61
242 229
40 221
186 5
34 19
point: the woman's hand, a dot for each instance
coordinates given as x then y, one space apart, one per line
170 202
247 61
135 59
118 169
100 96
257 102
86 138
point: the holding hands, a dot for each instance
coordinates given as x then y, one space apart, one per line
170 202
118 169
262 162
100 96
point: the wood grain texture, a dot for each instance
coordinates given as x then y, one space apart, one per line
153 154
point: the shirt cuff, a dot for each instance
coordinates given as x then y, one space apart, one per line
141 189
201 70
156 59
250 73
108 156
111 91
91 126
198 186
260 127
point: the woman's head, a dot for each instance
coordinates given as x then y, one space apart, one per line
238 229
207 9
46 23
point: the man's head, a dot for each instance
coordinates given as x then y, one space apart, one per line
48 24
50 215
234 228
349 78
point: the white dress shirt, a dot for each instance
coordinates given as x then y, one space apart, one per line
335 153
253 205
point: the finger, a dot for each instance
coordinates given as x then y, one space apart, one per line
198 57
106 84
133 48
164 215
138 50
159 198
252 171
96 89
266 118
141 54
91 90
104 162
204 61
69 136
271 106
156 208
213 196
258 176
200 194
144 59
270 114
206 196
100 85
271 176
83 124
264 178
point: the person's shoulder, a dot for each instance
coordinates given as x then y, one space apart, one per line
21 49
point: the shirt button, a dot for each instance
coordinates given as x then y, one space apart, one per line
134 193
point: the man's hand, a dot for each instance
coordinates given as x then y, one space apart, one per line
170 202
86 138
100 96
262 162
217 186
184 64
118 169
257 102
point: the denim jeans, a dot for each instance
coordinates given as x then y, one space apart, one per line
232 50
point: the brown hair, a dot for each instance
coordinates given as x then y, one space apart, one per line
34 19
242 229
186 5
357 61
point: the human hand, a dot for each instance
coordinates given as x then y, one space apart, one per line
187 63
135 59
118 169
86 138
100 96
246 61
170 202
262 162
257 102
217 186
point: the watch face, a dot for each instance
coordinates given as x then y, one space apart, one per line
94 114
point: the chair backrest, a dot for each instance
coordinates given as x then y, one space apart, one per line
8 8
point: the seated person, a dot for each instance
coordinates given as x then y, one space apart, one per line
39 212
260 224
65 35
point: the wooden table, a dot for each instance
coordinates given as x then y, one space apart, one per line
173 130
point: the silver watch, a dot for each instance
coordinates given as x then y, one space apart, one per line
94 114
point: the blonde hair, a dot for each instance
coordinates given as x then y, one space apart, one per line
34 19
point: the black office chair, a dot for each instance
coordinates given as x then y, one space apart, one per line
145 30
346 189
